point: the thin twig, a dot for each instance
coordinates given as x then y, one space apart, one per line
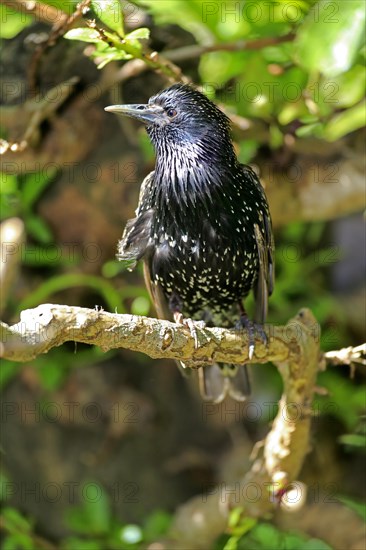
347 356
32 113
12 236
59 28
196 50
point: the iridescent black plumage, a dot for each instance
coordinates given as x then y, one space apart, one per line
202 225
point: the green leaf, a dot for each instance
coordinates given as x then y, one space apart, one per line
358 507
353 440
246 525
346 122
138 34
19 541
310 130
34 184
224 65
105 53
52 375
330 37
315 544
140 306
97 508
235 516
13 521
58 283
67 7
84 35
4 483
76 520
111 268
12 22
75 543
344 399
112 54
248 149
292 111
350 86
265 536
276 137
156 525
8 183
8 370
9 206
94 515
39 229
110 13
189 15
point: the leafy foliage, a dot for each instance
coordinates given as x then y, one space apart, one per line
92 524
281 83
110 46
95 528
264 536
18 197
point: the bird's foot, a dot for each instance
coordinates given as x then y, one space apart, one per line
253 330
189 323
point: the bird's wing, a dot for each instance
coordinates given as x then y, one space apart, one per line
136 236
265 281
157 295
145 193
265 247
135 242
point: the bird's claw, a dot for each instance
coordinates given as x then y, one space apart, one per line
190 324
252 329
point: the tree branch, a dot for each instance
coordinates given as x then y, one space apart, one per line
314 195
196 50
199 522
346 356
50 325
12 236
294 348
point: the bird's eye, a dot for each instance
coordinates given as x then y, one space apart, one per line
171 113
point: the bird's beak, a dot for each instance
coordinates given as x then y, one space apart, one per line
147 113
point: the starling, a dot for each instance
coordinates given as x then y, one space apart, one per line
202 227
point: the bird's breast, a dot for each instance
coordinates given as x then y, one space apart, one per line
205 270
203 240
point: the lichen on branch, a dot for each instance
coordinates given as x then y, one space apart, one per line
50 325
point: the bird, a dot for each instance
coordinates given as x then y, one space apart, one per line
202 228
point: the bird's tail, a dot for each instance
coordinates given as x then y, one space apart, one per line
220 380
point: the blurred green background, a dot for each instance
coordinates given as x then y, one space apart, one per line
98 449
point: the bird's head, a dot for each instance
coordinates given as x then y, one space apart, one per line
180 117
